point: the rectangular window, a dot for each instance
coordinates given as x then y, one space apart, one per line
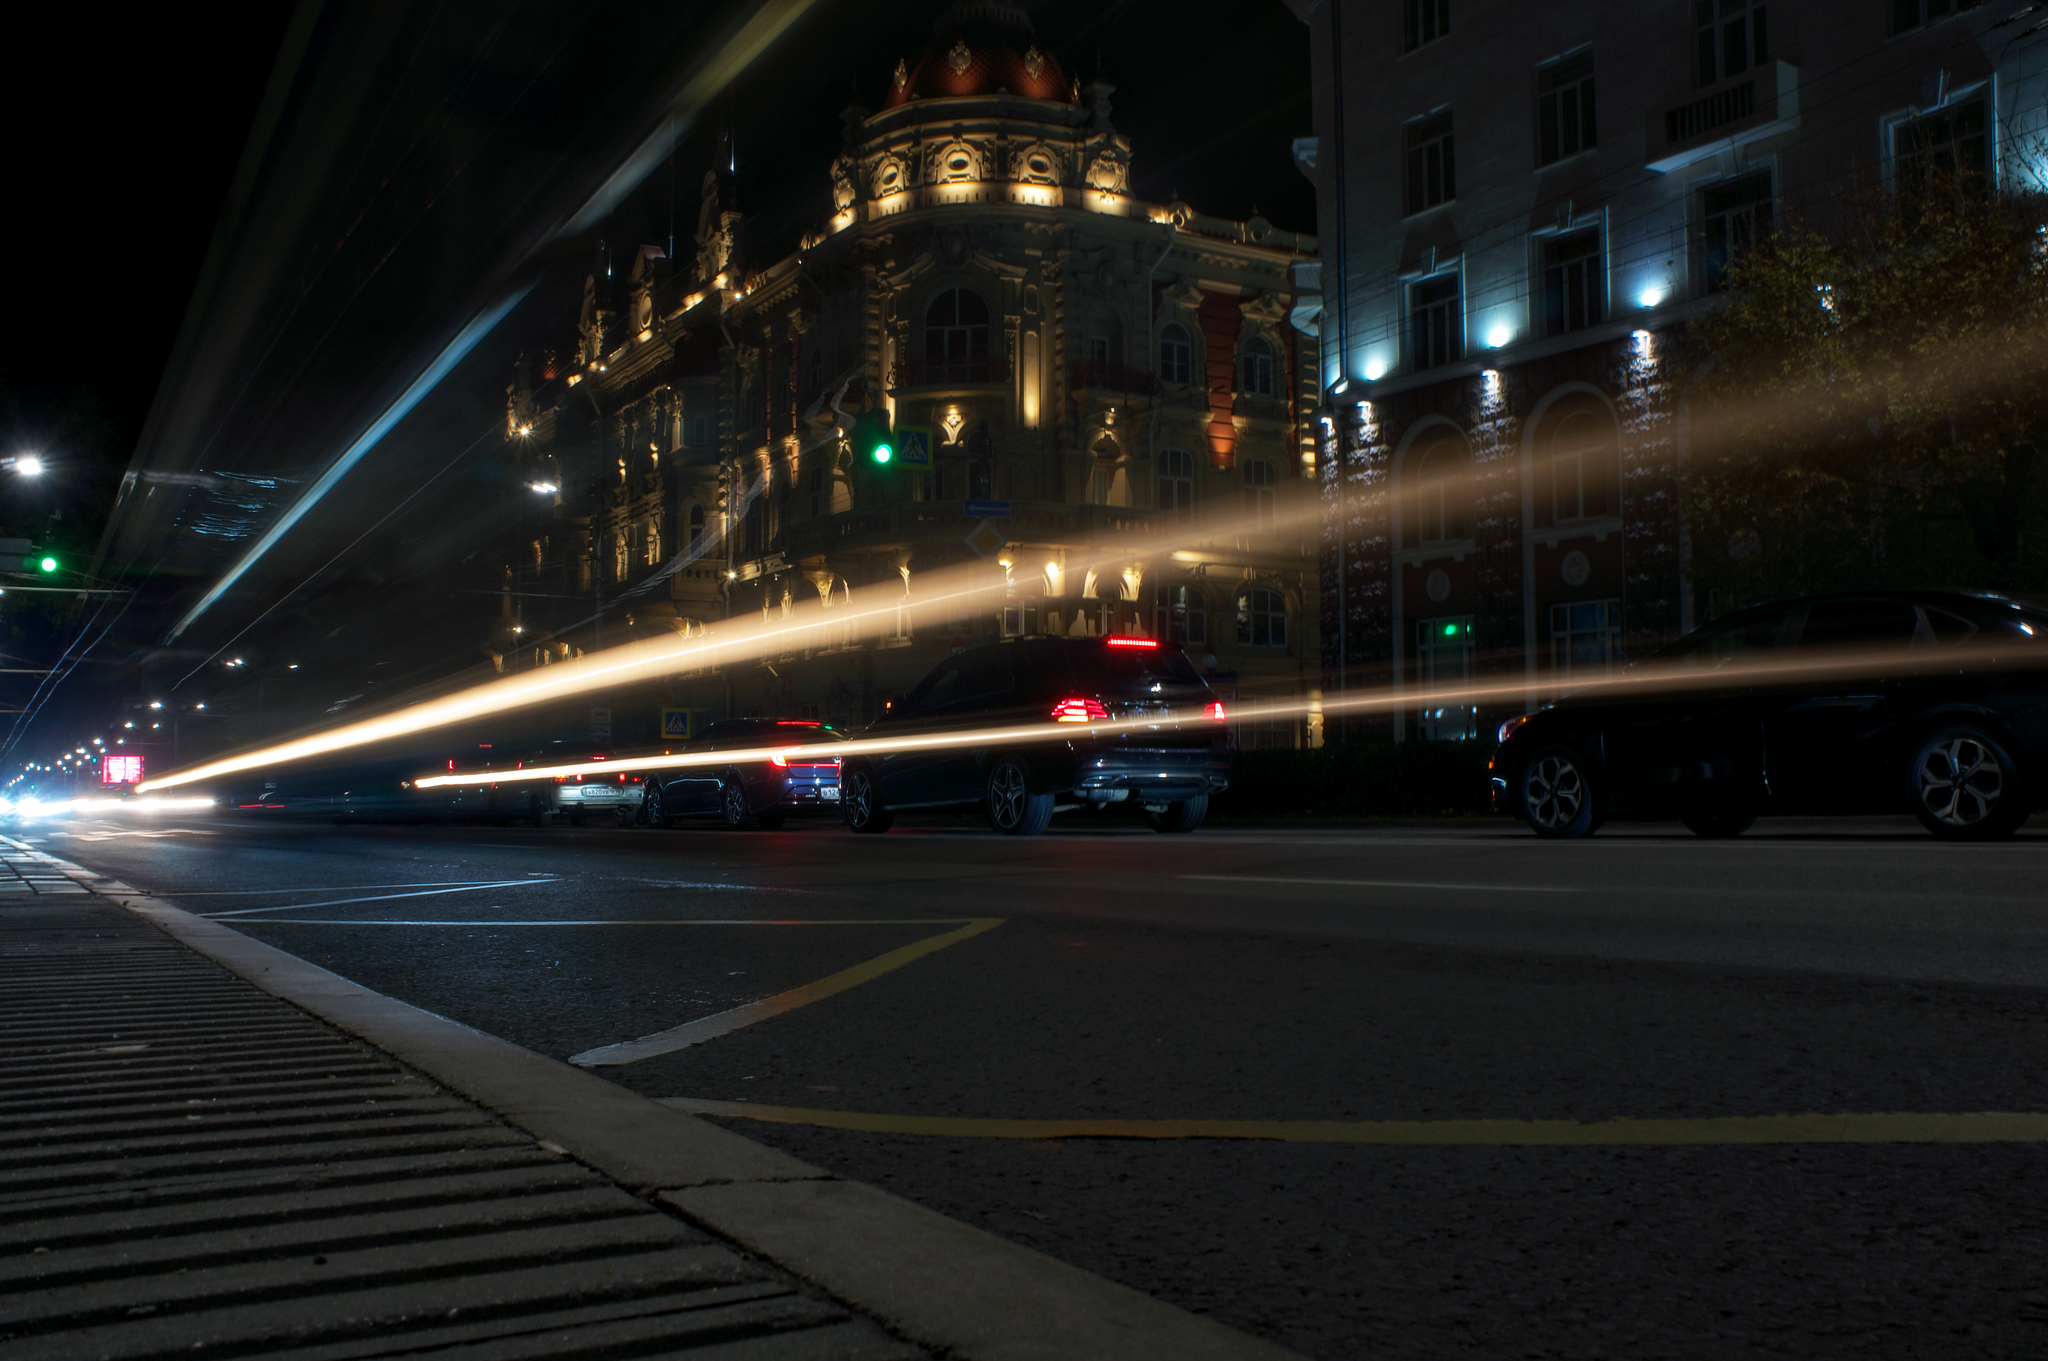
1574 283
1098 351
1443 661
1432 169
1564 108
1178 615
1262 619
1259 492
1177 484
1911 14
1424 21
1436 322
1947 146
1734 216
1585 639
1020 621
1730 36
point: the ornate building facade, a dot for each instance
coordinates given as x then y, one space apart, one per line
1090 368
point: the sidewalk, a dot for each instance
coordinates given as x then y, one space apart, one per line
193 1165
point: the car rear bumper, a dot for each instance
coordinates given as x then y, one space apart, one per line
1152 773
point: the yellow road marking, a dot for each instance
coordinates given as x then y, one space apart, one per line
725 1022
1897 1127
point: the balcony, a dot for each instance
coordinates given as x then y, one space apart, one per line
948 373
1111 378
1761 104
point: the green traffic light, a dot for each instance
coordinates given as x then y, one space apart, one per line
883 453
48 564
1450 630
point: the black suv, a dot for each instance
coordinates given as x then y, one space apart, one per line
1881 701
1171 764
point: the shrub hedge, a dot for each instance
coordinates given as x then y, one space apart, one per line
1368 779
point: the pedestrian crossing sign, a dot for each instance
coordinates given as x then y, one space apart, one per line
677 724
914 446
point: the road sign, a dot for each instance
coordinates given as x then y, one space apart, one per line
677 725
985 540
600 723
988 510
914 446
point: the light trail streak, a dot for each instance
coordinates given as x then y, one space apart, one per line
1650 685
34 807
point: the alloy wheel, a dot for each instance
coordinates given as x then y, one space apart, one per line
737 814
1006 795
652 804
1553 791
1959 781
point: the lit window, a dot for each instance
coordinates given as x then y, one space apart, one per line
1178 615
1262 618
1176 354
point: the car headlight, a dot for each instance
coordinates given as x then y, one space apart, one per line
1509 728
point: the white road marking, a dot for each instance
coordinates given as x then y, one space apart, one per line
325 888
1384 883
610 921
377 898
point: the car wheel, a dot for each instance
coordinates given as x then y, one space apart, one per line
1012 808
860 802
1180 817
1964 786
769 818
732 801
1719 823
1554 794
655 805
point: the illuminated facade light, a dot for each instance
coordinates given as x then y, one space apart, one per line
1499 336
1652 295
1374 370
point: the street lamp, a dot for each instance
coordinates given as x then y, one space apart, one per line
26 465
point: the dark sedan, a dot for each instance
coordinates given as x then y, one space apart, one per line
1884 701
1171 761
753 791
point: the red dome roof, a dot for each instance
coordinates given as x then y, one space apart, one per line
979 47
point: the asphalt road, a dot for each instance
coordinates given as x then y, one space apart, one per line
1285 975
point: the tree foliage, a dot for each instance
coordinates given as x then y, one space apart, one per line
1869 407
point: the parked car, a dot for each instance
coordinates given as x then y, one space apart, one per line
575 798
1171 765
1878 701
749 793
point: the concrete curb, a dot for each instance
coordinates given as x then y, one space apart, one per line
946 1285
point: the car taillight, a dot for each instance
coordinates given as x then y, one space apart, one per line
622 777
1132 642
561 779
1077 711
782 759
1215 711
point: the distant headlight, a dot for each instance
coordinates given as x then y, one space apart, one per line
1508 728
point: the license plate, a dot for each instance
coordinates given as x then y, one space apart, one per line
828 791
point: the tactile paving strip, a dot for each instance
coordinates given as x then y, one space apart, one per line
190 1167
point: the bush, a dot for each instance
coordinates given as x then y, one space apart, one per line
1376 779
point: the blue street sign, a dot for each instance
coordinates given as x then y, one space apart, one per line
987 510
675 724
913 446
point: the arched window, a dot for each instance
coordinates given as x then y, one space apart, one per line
956 336
1439 480
1178 615
1177 484
1580 475
1256 368
1176 354
1259 492
1262 618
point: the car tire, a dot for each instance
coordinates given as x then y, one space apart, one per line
770 819
1184 816
1965 787
655 805
732 801
1012 808
860 802
1553 793
1719 823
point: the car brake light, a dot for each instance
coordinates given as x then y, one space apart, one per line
1215 711
1132 642
561 779
1077 711
782 759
